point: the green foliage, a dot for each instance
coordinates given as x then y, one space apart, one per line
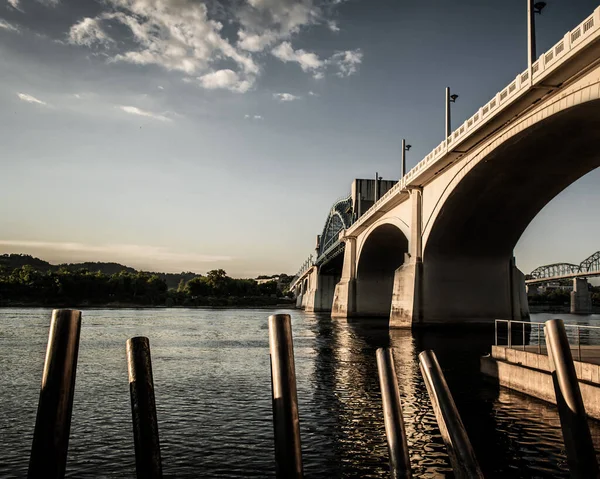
63 286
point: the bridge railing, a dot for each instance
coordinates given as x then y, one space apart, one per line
529 336
546 62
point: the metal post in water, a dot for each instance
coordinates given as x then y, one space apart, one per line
143 409
288 451
581 456
462 456
392 415
53 422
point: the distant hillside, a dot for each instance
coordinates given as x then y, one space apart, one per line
12 261
9 262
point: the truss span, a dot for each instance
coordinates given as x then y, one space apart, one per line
589 266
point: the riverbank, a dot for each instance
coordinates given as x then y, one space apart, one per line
232 302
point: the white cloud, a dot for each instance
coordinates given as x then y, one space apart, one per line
30 99
253 117
332 25
264 22
180 35
138 256
307 61
14 3
161 87
132 110
8 26
347 62
285 97
258 117
87 32
226 79
312 93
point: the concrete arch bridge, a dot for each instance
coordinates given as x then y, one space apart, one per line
437 246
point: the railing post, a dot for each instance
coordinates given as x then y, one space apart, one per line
523 324
462 456
53 422
581 456
509 334
143 409
496 333
539 327
392 415
579 343
288 452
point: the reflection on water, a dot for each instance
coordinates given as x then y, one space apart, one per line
211 371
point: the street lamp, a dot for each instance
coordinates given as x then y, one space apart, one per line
377 179
405 148
532 9
449 99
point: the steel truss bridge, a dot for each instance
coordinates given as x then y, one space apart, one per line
341 216
553 272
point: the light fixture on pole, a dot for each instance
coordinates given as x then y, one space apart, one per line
405 148
449 99
532 9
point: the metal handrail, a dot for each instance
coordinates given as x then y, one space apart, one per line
571 327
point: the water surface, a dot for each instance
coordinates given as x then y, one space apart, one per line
211 373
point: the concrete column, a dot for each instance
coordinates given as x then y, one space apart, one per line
520 305
320 297
532 290
581 298
344 297
408 278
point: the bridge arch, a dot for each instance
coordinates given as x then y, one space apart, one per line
381 253
389 220
470 234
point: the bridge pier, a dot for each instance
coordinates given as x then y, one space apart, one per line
344 296
319 297
406 296
581 298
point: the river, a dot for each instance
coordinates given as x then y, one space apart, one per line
212 380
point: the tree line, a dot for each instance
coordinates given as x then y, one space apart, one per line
28 285
560 297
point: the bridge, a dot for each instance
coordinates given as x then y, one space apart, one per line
588 268
437 246
581 298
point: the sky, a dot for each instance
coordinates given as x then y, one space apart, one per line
187 135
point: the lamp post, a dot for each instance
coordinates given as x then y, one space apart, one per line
405 148
532 9
449 99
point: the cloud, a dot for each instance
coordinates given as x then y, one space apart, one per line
307 61
332 25
30 99
8 26
161 87
227 79
264 22
88 32
347 62
14 3
137 111
176 35
312 93
258 117
184 36
285 97
139 256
